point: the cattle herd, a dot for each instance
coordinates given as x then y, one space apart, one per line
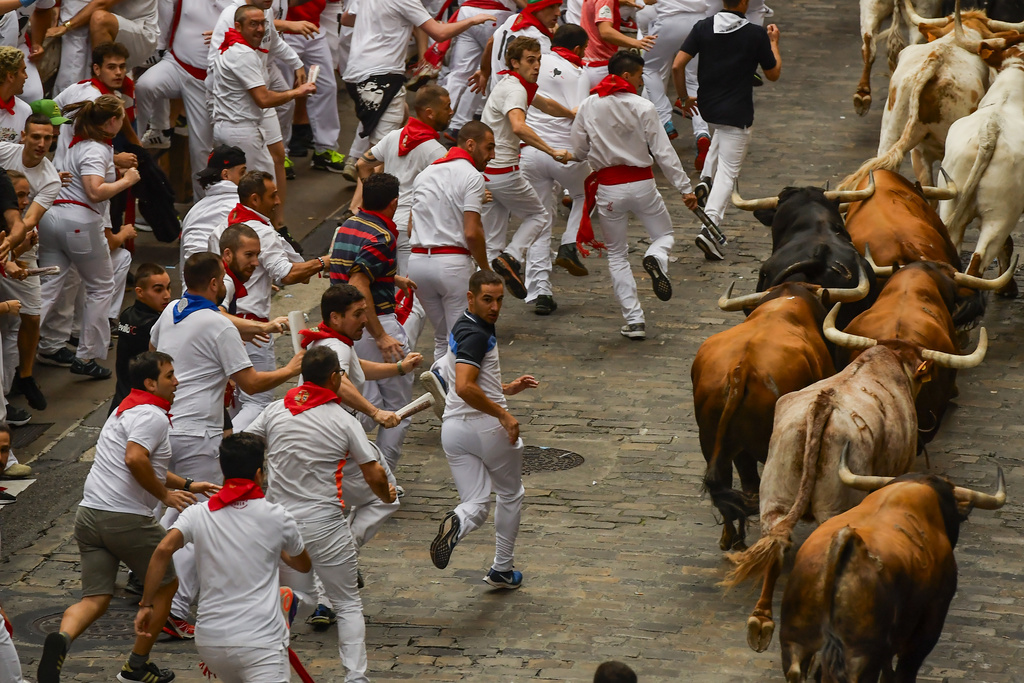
840 374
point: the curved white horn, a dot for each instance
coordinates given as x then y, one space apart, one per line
956 362
917 19
851 294
752 204
850 341
971 45
846 196
728 303
948 192
860 482
983 501
973 282
880 271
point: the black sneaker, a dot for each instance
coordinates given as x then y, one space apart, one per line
73 341
294 243
147 673
113 327
634 331
30 390
91 369
445 541
545 305
6 498
133 585
702 190
569 258
706 243
322 618
328 160
61 358
55 650
507 266
16 417
660 281
756 80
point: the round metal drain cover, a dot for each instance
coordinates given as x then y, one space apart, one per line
540 459
116 626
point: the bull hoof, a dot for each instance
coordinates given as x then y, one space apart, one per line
759 633
861 103
739 545
728 538
1009 291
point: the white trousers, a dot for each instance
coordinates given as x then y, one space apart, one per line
464 60
164 81
246 664
544 173
441 284
755 10
76 50
403 216
63 315
513 196
366 512
121 262
614 204
73 235
251 139
728 149
249 406
195 457
10 665
391 393
671 30
482 460
322 106
29 293
330 546
339 38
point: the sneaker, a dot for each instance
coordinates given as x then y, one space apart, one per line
91 369
670 128
420 76
147 673
181 126
61 358
507 266
702 191
16 417
566 199
756 80
568 257
446 540
27 387
17 471
6 498
660 282
55 650
292 242
399 491
328 160
179 629
703 145
156 139
438 388
510 579
289 605
349 171
545 305
636 331
289 169
322 618
133 585
706 243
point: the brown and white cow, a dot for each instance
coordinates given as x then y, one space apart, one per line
869 405
876 582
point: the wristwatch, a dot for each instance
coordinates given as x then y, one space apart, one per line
188 484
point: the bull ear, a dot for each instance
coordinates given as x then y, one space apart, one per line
923 372
930 33
993 58
766 216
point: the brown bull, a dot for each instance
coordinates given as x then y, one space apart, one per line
737 377
876 582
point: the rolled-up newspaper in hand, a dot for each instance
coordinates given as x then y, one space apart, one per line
49 270
416 406
296 322
314 71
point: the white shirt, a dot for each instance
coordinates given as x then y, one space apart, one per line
442 194
274 265
11 125
110 485
274 45
204 217
305 456
142 11
574 11
380 38
503 36
43 180
623 129
348 360
194 18
235 72
507 95
567 84
207 350
667 7
88 157
9 27
76 92
238 552
405 168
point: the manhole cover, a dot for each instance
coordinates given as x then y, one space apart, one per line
540 459
116 626
22 437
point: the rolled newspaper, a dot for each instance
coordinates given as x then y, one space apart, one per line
49 270
416 406
314 71
296 322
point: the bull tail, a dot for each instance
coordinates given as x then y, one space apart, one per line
897 39
909 138
965 201
833 651
772 546
728 501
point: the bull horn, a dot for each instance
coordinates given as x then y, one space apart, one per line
851 294
850 341
972 45
948 192
918 20
860 482
846 196
880 271
956 362
983 501
752 204
996 26
973 282
727 303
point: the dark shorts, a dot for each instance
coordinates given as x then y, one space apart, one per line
105 539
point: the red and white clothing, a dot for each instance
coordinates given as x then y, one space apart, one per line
621 136
508 31
673 21
137 29
466 50
599 52
205 217
82 91
237 118
12 119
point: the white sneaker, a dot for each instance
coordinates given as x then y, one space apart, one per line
636 331
155 139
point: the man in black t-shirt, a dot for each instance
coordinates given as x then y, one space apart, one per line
730 48
152 294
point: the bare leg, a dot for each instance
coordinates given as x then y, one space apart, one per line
161 610
80 616
28 342
102 27
277 153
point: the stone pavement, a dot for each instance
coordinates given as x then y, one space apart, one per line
620 554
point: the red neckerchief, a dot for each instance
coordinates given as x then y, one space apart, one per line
413 135
242 213
569 56
8 105
525 19
235 490
612 84
75 139
127 87
388 223
531 88
322 332
308 395
454 154
137 397
240 289
233 37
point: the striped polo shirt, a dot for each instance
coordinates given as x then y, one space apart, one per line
366 243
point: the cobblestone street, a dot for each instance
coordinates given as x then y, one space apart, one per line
620 554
